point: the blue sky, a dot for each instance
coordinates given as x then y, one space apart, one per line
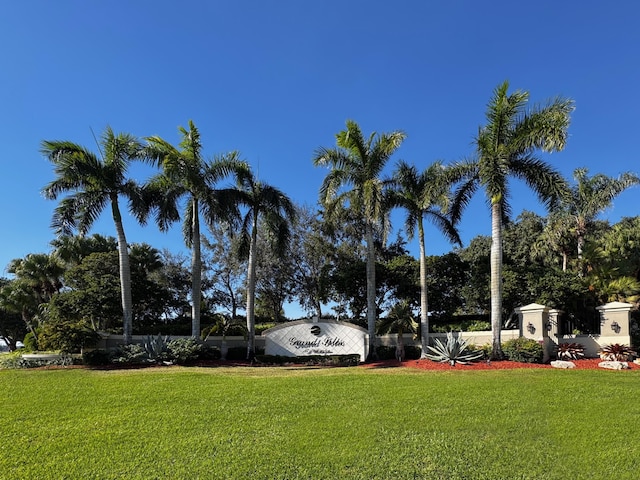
277 79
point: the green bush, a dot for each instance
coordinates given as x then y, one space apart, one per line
385 353
67 336
30 342
240 353
15 360
11 360
186 350
478 326
97 357
321 360
132 354
237 353
411 352
524 350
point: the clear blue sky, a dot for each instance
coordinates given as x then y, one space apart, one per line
277 79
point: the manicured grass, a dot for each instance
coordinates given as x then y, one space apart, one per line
351 423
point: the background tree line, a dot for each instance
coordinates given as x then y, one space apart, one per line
261 250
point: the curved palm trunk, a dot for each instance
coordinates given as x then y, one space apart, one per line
371 292
251 292
424 304
125 272
496 280
196 271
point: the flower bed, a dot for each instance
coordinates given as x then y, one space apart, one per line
589 363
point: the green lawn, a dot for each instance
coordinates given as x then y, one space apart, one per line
351 423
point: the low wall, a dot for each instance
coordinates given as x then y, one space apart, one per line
112 341
477 338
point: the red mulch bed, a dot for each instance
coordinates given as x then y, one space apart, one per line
585 364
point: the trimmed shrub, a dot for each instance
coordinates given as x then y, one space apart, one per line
524 350
320 360
186 350
132 354
240 353
67 336
411 352
97 357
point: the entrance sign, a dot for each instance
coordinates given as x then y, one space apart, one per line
316 337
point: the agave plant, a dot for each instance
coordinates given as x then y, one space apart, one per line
456 350
156 347
616 352
570 351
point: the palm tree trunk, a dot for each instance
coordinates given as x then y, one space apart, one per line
496 279
251 292
580 252
125 272
196 271
400 346
424 303
371 292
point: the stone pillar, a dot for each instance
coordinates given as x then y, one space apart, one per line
614 323
553 325
534 320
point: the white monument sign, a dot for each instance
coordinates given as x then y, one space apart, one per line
316 337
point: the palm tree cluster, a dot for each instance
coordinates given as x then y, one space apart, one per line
95 181
355 198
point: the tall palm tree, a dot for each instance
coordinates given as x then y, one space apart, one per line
268 208
355 180
425 196
589 197
505 147
93 182
185 173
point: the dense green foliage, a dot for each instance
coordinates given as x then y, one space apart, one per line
523 350
238 423
338 254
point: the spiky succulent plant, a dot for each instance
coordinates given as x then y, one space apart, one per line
570 351
456 350
616 352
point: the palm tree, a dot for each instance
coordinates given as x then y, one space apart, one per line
93 183
356 165
424 195
72 249
555 238
40 273
590 197
399 320
186 174
505 147
269 209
